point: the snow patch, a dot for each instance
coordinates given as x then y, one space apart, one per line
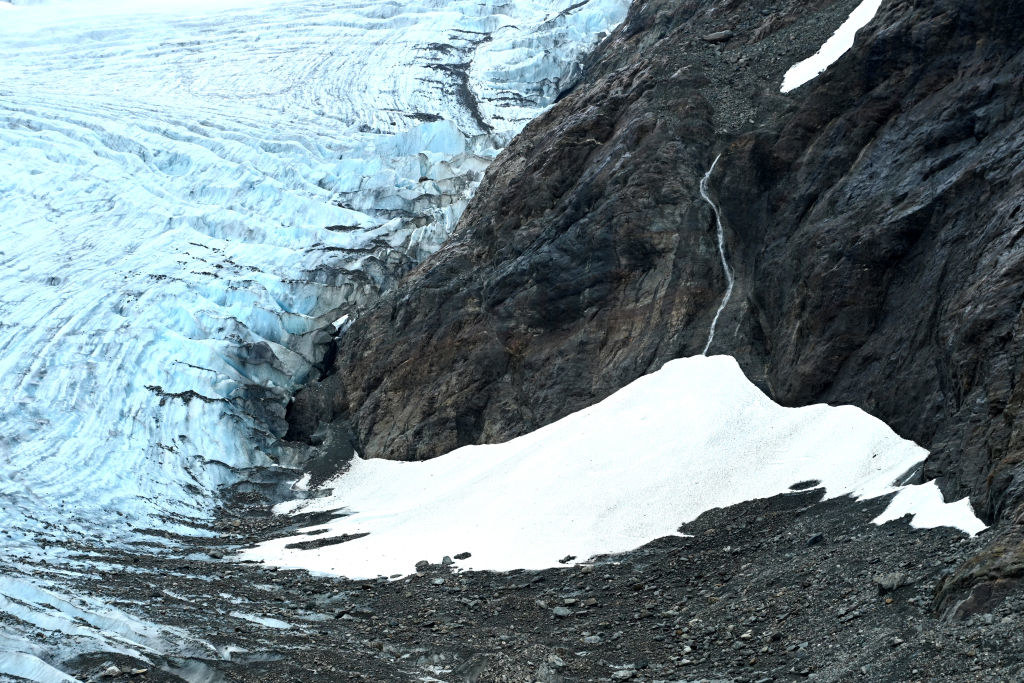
268 622
834 48
925 504
694 436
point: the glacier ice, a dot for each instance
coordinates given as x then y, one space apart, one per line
193 194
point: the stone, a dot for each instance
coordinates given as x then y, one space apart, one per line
718 36
886 583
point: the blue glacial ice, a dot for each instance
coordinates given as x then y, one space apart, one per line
193 193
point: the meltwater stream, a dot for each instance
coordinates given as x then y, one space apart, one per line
730 280
192 194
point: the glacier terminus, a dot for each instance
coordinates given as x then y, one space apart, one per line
193 193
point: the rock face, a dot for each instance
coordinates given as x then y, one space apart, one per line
872 220
876 229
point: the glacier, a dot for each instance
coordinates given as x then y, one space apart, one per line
193 194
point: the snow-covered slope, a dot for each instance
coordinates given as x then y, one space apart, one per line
694 436
834 48
193 192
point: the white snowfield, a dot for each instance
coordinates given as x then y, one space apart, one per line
192 193
694 436
834 48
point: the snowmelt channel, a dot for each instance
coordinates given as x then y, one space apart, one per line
720 233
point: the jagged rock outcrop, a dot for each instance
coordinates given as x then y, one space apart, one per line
872 219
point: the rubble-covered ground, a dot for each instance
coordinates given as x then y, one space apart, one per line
786 588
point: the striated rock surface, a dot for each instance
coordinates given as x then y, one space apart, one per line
872 220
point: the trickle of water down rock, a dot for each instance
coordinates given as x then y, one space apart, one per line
720 233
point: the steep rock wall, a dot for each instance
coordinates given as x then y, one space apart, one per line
872 219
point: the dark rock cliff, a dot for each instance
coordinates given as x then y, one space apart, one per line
877 228
872 220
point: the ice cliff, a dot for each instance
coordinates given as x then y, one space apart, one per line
192 195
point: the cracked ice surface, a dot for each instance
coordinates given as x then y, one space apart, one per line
193 193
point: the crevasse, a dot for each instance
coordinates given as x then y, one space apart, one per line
193 192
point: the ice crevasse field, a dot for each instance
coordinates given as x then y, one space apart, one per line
195 192
193 197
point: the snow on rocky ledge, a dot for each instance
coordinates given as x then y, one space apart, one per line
694 436
834 48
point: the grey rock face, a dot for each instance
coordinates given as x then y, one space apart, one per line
587 258
872 220
877 230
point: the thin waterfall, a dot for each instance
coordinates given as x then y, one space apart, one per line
721 252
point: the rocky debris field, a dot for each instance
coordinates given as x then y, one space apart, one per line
774 590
